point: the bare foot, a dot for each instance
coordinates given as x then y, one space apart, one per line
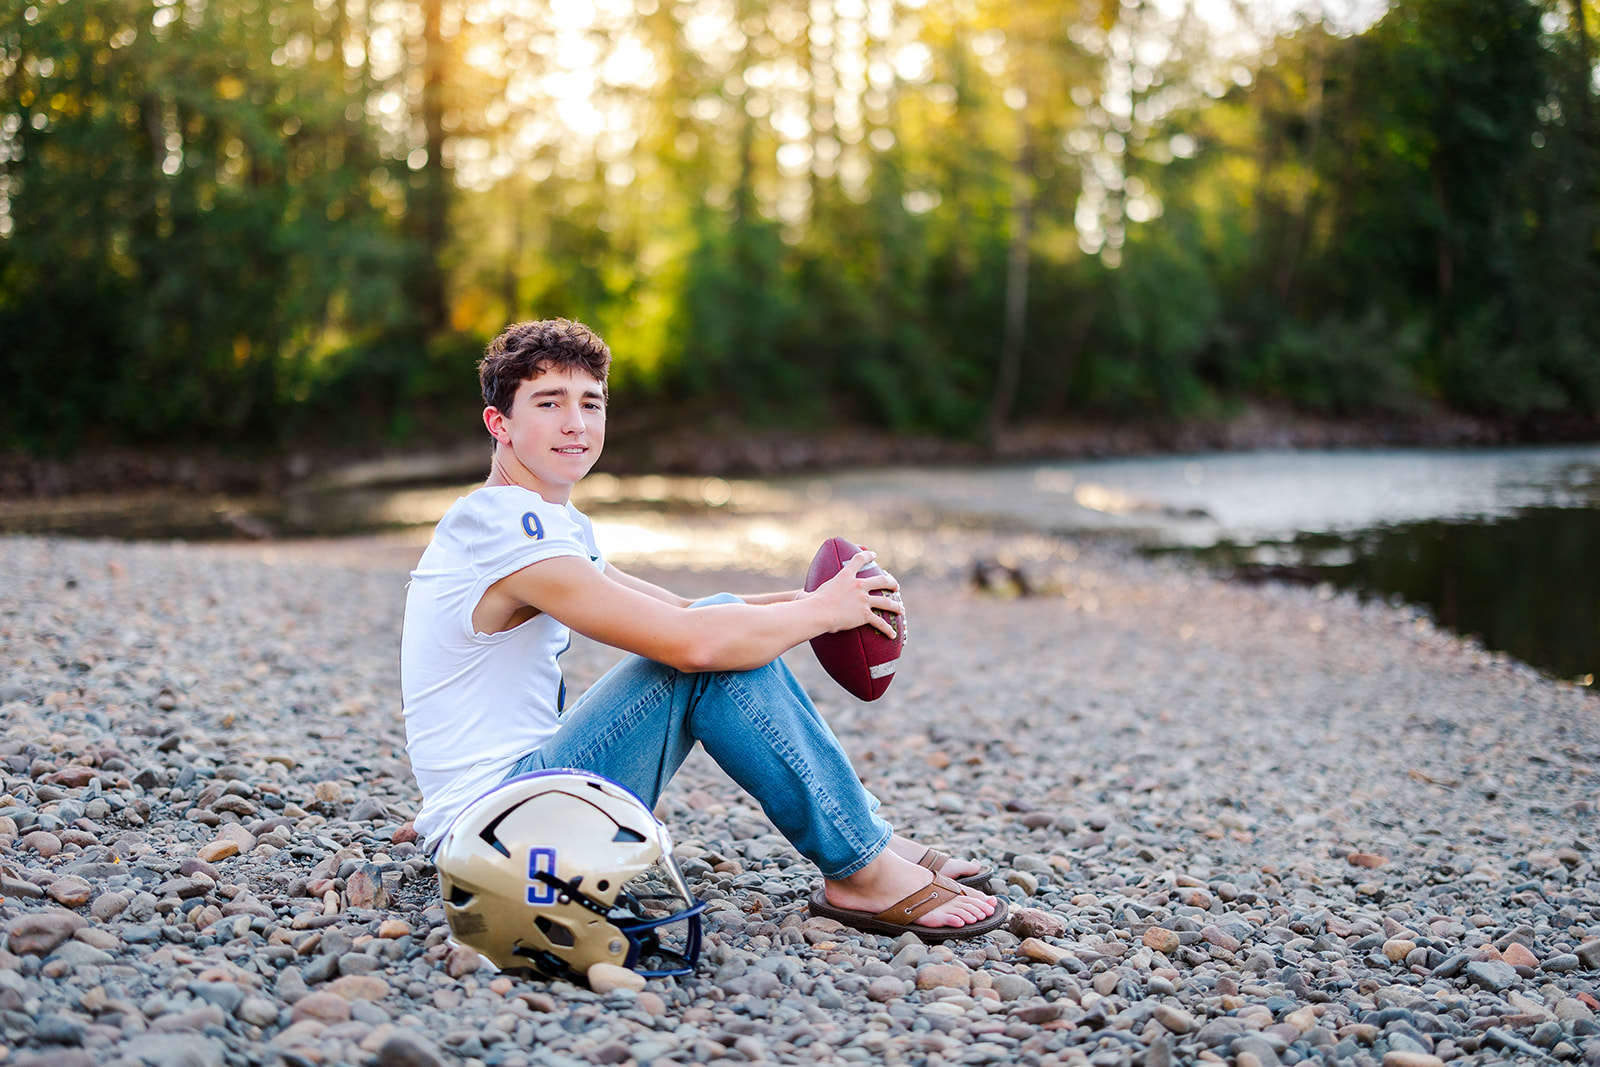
956 867
890 878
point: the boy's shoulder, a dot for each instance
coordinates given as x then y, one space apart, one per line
510 512
501 528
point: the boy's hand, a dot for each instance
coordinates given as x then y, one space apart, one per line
854 599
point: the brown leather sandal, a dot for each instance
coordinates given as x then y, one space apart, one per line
935 860
903 914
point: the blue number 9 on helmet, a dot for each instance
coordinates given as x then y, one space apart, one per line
555 871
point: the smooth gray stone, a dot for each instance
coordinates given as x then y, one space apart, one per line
320 969
358 963
135 934
224 995
259 1011
1014 987
1495 1037
1402 1041
1492 975
1257 1046
175 1050
54 1029
79 954
290 986
1220 1031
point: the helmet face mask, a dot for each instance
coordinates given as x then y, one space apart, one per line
555 871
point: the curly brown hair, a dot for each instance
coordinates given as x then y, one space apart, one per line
528 349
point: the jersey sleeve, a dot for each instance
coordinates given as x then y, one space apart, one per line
520 528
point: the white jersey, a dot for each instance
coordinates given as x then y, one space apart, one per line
476 703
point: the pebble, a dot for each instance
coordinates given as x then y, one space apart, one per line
37 933
1411 1059
323 1007
43 842
222 770
70 892
1175 1019
885 988
404 1049
1035 922
608 977
949 975
1161 940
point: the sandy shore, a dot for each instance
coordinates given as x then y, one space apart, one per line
1251 824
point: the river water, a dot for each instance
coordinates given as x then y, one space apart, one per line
1500 543
1503 544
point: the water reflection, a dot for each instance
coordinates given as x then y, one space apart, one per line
1527 584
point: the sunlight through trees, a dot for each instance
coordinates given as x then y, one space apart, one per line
264 221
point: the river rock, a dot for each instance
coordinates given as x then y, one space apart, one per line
364 888
935 975
38 933
462 960
1162 940
1034 949
359 987
885 988
1491 975
1176 1020
608 977
219 849
43 842
1411 1059
407 1049
1035 922
323 1007
257 1011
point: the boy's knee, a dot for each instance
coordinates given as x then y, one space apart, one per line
717 598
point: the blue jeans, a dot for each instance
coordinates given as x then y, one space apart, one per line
639 722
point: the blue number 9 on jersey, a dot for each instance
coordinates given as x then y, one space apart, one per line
541 861
532 526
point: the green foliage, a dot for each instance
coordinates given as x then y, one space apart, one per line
226 221
188 217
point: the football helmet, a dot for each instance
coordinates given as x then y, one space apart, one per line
555 871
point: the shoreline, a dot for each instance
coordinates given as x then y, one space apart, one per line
757 452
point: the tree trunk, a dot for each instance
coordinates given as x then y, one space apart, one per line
428 213
1294 245
1017 263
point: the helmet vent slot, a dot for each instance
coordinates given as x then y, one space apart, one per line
633 837
555 933
490 834
460 897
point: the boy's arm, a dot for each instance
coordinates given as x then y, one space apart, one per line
710 638
647 588
667 597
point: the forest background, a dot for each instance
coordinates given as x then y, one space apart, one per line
256 225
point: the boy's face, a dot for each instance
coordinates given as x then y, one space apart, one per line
553 434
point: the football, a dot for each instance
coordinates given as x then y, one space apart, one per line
862 660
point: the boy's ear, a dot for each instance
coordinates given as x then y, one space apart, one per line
494 422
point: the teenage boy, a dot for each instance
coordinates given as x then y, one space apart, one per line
513 567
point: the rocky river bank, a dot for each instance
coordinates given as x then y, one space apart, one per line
1252 825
